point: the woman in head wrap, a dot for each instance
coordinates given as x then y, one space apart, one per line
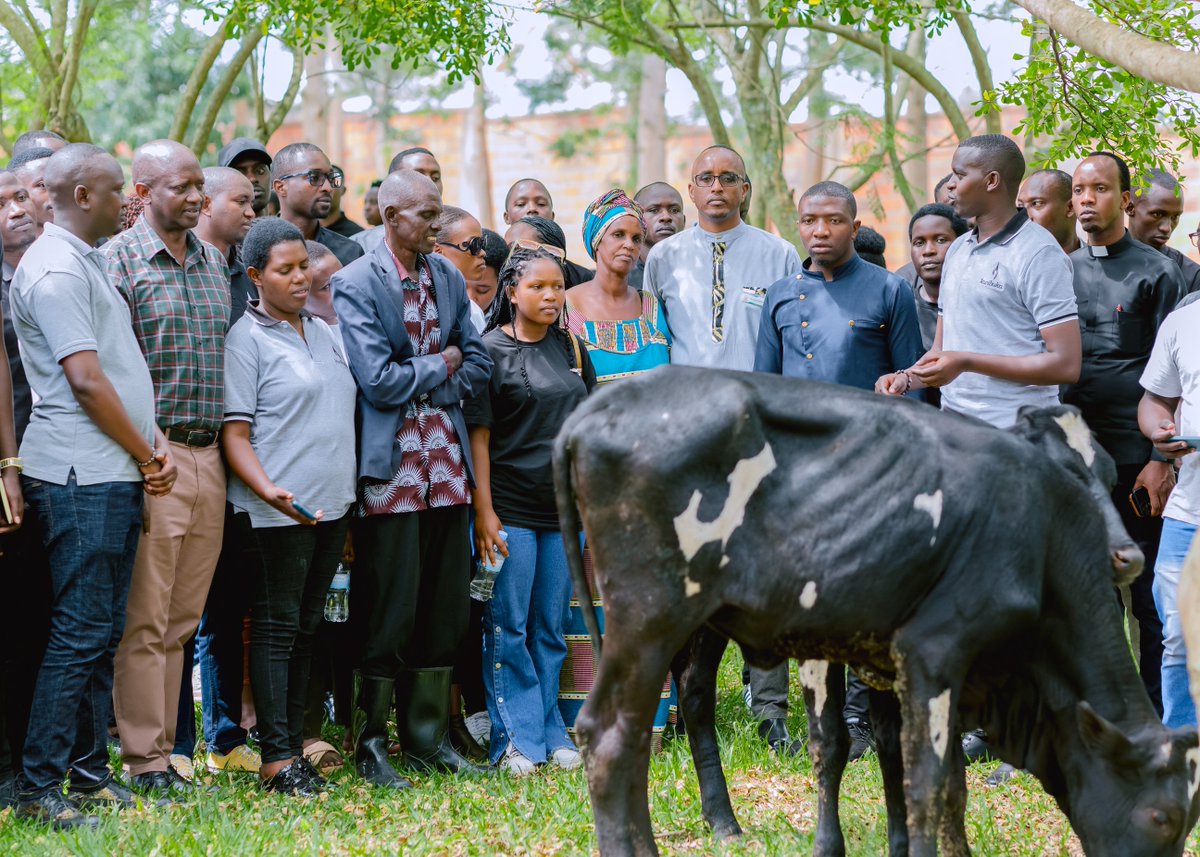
547 232
625 335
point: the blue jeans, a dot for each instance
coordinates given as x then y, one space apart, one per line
219 639
524 647
1178 708
91 535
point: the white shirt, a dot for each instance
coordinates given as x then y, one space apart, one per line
1174 372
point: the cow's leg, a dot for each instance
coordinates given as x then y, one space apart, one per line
885 722
695 668
614 729
928 682
953 833
828 747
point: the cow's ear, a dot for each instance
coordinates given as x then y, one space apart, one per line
1100 735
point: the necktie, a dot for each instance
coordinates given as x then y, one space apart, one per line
718 291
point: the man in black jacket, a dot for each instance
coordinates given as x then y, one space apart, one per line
1125 289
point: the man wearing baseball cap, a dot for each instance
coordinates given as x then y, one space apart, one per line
249 157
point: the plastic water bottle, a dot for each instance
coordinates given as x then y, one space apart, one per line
485 577
337 602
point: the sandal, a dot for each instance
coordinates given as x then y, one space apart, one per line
324 756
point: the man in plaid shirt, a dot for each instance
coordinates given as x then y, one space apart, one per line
177 288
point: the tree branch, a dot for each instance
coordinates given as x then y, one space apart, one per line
250 38
983 69
74 55
195 84
289 96
812 78
1140 56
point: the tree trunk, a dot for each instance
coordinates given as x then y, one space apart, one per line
917 169
1137 54
279 114
475 194
652 121
315 100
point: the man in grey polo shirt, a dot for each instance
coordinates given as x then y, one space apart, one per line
1008 330
711 281
90 450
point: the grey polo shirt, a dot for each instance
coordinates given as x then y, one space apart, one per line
63 302
298 396
996 298
679 272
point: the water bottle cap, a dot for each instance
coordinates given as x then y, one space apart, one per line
341 580
502 534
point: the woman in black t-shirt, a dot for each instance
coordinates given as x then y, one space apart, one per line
541 373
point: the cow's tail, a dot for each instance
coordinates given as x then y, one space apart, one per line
568 514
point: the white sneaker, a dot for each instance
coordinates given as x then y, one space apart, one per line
515 763
567 758
480 727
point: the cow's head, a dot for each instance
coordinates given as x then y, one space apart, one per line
1127 794
1061 435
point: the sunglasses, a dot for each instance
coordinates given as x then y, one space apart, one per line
316 177
726 179
526 244
474 246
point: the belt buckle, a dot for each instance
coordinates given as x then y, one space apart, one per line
208 435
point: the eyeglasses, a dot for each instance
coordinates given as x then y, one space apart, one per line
526 244
726 179
1194 237
316 177
474 245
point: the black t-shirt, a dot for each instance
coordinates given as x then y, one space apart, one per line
533 389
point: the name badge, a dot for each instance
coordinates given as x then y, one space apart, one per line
753 296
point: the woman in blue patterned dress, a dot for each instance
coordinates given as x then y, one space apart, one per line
625 335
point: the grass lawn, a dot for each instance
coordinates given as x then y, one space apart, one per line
549 814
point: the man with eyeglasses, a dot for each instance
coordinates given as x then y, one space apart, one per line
305 181
337 221
711 281
249 157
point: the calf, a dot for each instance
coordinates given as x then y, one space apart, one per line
934 554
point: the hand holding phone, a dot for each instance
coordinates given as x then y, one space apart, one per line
1191 440
303 511
1140 501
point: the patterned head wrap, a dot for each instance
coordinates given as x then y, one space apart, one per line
604 211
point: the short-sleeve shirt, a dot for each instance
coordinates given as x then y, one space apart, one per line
1174 372
63 302
298 396
680 271
180 315
996 298
533 389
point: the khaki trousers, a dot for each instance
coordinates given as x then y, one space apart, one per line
171 576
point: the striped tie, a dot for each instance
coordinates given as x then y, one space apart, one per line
718 291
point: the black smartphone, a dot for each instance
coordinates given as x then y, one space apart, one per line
1193 442
1140 501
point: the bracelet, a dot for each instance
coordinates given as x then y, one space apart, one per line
907 382
12 462
148 461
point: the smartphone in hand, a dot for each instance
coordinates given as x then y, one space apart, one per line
1140 501
303 511
1190 440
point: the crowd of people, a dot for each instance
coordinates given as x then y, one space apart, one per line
218 392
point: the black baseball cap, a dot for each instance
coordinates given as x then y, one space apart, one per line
239 146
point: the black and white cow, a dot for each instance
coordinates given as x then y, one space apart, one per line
968 569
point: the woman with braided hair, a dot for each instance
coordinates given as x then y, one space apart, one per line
541 373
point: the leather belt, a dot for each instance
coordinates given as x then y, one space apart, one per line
190 437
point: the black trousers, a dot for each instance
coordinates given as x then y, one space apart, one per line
23 635
298 563
1146 533
409 594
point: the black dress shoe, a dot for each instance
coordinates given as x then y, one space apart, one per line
462 740
54 809
318 782
775 732
167 784
291 780
862 739
975 747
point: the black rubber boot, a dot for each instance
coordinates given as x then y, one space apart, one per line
422 720
372 701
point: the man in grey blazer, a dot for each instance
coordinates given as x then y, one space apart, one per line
415 355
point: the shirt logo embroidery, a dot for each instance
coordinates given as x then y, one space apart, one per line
991 282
